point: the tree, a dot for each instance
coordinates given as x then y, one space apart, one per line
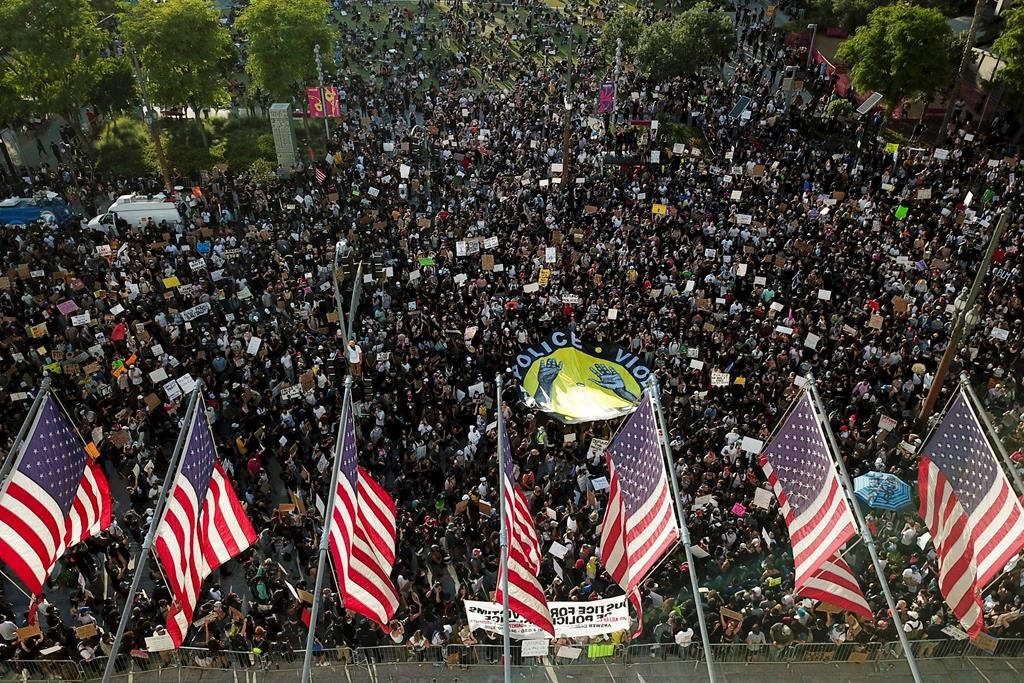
184 49
625 24
696 38
282 35
903 52
1010 48
852 14
49 51
115 91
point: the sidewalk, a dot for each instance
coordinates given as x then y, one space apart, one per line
22 144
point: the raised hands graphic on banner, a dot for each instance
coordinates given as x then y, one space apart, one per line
546 374
606 378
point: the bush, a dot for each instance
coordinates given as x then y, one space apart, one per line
262 172
186 152
123 146
243 141
672 131
838 109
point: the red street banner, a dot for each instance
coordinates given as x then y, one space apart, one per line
331 102
606 98
316 105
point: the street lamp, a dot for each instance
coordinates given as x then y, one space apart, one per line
966 317
565 141
810 49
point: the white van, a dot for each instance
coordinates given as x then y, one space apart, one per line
136 209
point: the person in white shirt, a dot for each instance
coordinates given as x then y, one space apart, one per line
755 640
355 359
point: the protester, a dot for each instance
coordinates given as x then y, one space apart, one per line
778 256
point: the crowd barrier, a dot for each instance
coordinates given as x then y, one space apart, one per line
611 658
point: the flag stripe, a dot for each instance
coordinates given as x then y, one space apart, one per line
799 466
975 519
203 525
362 534
836 584
525 594
948 525
640 525
369 589
55 498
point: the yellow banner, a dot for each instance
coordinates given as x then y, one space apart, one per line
577 382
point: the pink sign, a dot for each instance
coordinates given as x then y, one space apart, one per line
332 105
67 307
316 105
606 98
739 510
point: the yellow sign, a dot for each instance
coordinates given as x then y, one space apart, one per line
659 209
892 148
545 273
171 282
577 382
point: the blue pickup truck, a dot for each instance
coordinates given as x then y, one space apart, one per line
48 207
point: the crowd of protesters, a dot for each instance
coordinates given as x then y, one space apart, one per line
785 250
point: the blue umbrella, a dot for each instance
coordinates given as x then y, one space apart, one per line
882 490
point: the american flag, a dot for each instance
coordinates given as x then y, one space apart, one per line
320 175
525 595
803 476
203 525
639 525
55 498
975 519
362 536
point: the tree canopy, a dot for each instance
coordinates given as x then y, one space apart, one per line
1010 48
696 38
851 14
624 24
903 52
282 35
184 49
49 51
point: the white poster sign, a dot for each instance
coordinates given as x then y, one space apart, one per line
597 447
762 498
570 619
196 311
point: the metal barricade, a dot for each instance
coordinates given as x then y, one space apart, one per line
602 658
42 669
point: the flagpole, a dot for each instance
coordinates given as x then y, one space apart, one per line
506 644
14 454
865 531
655 391
147 544
337 293
325 534
357 288
993 436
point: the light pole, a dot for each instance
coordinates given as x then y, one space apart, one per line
320 85
810 48
148 113
566 134
965 314
965 58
